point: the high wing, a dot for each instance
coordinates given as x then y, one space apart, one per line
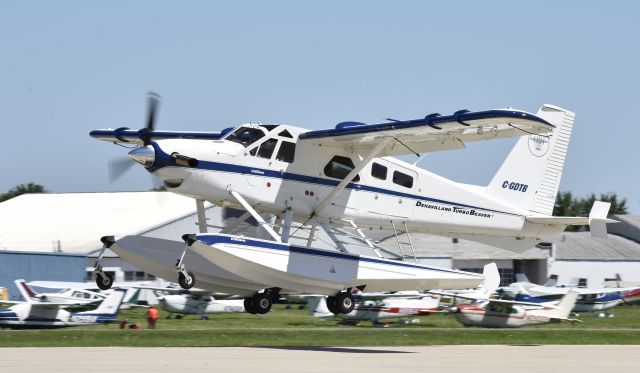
124 135
44 305
432 133
492 300
506 302
581 291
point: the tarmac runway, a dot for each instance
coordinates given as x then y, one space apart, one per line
440 359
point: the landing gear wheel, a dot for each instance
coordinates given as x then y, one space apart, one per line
248 305
331 305
104 283
186 283
344 302
262 303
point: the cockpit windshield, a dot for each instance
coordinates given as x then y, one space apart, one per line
245 135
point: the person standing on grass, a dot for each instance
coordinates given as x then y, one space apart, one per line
152 316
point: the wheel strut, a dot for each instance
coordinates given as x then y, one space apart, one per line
103 280
185 279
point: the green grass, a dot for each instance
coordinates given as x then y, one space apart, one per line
283 327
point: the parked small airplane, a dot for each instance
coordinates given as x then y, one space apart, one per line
376 310
589 299
45 315
194 302
499 313
345 177
72 297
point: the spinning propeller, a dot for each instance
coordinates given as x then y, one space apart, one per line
119 166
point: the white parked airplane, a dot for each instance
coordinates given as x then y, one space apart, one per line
194 302
499 313
43 315
345 177
72 297
589 299
376 310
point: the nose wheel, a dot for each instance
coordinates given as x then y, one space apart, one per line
186 281
104 280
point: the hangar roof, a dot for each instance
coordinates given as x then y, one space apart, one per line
35 222
628 226
429 245
581 246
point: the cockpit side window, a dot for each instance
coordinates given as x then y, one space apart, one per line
287 152
266 148
245 136
339 167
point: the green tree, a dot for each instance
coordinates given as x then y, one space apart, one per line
22 189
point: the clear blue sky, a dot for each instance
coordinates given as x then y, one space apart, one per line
68 67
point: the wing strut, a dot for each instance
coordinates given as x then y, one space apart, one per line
255 215
343 184
202 217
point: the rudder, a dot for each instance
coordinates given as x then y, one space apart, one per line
529 177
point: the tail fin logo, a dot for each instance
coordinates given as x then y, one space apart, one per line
538 145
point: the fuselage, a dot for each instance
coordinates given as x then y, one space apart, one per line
275 172
26 315
493 316
199 304
389 308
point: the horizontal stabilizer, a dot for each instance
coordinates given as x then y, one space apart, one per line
598 219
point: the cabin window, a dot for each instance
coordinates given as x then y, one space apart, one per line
378 171
285 133
339 167
245 136
266 148
286 152
402 179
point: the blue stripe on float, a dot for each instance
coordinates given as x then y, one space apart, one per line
212 239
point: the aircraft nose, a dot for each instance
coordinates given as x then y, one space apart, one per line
145 155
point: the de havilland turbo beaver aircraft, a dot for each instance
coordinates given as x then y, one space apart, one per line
346 177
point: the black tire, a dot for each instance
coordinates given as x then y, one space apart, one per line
104 283
262 303
331 305
248 305
182 280
344 302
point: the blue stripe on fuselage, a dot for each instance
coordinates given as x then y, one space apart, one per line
262 172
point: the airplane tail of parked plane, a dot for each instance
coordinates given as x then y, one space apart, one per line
564 306
318 307
25 290
491 279
530 176
109 307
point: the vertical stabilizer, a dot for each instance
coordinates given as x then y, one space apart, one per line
318 307
491 279
25 290
564 307
109 306
530 176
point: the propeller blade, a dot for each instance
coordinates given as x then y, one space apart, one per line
153 102
118 166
